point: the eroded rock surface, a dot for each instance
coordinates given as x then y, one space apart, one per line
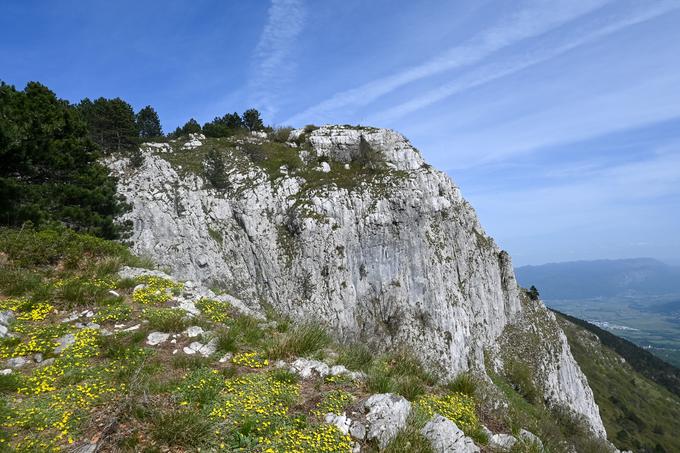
399 259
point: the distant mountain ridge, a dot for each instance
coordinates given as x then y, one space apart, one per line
601 278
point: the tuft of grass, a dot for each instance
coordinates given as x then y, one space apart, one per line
18 282
227 340
302 340
181 428
464 383
410 387
356 356
379 381
189 362
166 319
9 383
248 328
285 376
405 363
410 439
82 292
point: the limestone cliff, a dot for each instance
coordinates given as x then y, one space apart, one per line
356 232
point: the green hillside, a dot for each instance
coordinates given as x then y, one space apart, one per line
638 413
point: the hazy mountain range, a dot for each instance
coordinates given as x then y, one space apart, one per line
601 278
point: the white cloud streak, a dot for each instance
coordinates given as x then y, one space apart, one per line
493 72
653 100
540 17
271 67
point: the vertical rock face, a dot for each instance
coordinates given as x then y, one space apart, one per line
396 259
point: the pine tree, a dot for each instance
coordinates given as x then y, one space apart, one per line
148 123
111 123
191 127
252 120
233 121
49 170
533 293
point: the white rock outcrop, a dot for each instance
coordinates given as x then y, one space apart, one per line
446 437
502 442
400 259
387 415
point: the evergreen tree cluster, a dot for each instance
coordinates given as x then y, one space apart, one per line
49 172
223 126
49 150
114 126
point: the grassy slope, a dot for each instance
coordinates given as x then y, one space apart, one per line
638 413
129 396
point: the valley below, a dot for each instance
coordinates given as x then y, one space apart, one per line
651 322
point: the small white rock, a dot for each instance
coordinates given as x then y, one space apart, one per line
156 338
340 421
193 331
17 362
64 342
227 357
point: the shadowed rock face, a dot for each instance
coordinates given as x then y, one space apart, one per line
400 259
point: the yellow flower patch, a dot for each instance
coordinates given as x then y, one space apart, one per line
156 290
333 402
250 360
37 313
457 407
35 339
215 310
256 397
120 312
50 410
320 438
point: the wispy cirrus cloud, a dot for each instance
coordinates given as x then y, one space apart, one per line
536 19
272 67
491 72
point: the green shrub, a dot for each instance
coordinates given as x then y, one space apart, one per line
29 247
281 134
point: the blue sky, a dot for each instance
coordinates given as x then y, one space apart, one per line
559 119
